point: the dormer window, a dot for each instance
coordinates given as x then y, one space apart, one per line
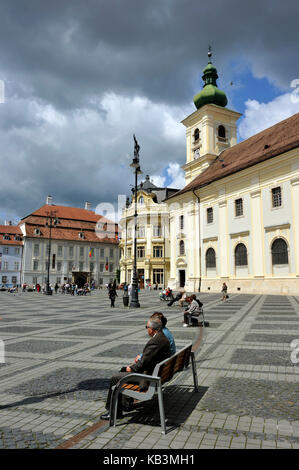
6 237
18 238
37 231
81 235
141 200
221 133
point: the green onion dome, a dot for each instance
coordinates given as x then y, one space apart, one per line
210 93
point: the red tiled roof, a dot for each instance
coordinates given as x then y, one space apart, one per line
72 221
267 144
10 230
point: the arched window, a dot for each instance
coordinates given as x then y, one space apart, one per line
221 132
141 200
241 255
279 252
196 135
210 258
182 247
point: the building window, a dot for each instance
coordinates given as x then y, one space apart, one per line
5 251
53 261
4 279
158 252
59 250
238 207
6 237
91 267
140 252
210 216
129 252
101 281
58 265
71 251
141 232
181 222
102 252
241 255
81 266
36 250
17 266
182 247
70 266
81 251
14 279
157 232
158 276
111 267
17 251
101 267
5 265
279 252
276 197
111 253
210 258
196 135
221 132
35 265
141 200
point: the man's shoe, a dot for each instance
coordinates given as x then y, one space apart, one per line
106 416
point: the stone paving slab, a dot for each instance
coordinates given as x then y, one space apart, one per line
61 351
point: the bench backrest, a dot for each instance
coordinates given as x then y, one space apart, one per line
176 363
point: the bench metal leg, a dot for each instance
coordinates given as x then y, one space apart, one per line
195 380
161 409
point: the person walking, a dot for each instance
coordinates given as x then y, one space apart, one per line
112 294
224 292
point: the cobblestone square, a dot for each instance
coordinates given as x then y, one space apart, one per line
60 352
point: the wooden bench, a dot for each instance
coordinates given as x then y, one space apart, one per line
163 372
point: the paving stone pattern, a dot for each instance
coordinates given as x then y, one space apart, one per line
60 352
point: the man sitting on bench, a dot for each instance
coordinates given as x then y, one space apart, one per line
156 350
193 311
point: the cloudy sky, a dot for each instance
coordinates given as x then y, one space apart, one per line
81 77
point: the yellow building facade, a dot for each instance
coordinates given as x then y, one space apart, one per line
152 237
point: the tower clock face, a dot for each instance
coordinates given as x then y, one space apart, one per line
196 153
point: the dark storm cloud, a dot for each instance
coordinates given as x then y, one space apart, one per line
73 69
67 51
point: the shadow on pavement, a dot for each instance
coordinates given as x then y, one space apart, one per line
179 402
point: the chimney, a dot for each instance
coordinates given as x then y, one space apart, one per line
8 222
49 200
88 206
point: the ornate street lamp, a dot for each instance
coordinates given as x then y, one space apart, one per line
135 164
51 222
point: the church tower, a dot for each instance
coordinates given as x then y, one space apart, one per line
211 128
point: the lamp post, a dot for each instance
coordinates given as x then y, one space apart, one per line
51 222
125 251
135 164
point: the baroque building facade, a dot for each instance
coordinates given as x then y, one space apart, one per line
152 236
237 218
84 246
11 251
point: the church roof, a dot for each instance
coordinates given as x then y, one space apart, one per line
267 144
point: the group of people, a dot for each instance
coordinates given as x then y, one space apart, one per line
160 346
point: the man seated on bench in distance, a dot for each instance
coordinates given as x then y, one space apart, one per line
166 332
193 310
156 350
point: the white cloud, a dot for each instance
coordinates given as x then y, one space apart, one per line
177 176
158 180
260 116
